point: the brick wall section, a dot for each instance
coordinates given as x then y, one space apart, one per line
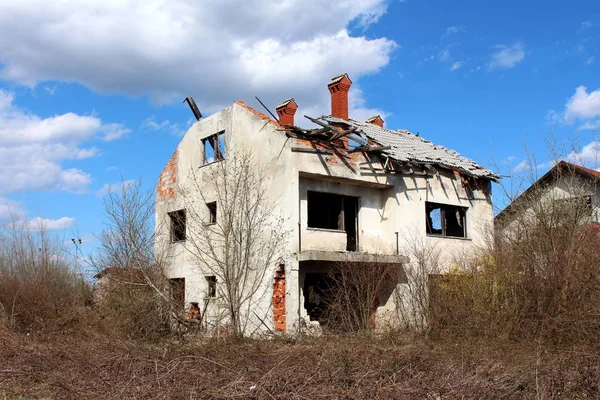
279 300
351 159
257 113
167 179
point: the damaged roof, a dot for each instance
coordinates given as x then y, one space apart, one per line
407 148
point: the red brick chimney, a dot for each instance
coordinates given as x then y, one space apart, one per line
338 87
286 111
376 120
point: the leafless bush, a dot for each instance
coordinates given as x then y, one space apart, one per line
38 284
356 290
238 241
541 277
132 295
412 298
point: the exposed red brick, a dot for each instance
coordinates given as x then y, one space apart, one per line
286 112
339 96
279 317
257 113
376 120
168 177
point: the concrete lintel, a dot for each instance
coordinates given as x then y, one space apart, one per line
348 181
343 256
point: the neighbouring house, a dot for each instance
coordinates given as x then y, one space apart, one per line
565 188
350 191
113 279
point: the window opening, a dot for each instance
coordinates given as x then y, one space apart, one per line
445 220
177 219
214 148
212 212
212 286
336 212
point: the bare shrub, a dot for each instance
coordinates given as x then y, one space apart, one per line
132 292
412 297
356 290
38 284
540 279
241 241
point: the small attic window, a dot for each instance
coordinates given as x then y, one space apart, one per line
214 148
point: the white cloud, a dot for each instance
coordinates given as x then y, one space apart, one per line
589 61
358 109
50 89
32 149
173 49
444 55
456 65
454 29
113 187
112 132
523 165
164 126
588 156
10 209
43 224
590 126
583 105
506 57
585 25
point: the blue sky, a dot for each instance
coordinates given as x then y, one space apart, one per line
91 92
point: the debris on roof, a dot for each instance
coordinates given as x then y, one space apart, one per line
402 147
409 148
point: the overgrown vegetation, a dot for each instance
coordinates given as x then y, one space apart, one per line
132 298
539 279
330 367
39 288
356 290
518 319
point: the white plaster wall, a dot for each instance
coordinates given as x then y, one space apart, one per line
566 186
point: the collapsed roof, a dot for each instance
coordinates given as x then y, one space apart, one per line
408 148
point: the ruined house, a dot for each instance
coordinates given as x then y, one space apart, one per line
351 191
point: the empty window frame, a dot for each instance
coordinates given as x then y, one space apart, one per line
177 220
446 220
211 291
325 210
336 212
214 147
177 293
212 212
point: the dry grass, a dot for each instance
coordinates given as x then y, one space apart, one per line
91 366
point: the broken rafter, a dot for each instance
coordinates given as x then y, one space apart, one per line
370 149
314 132
343 133
269 111
316 121
311 150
